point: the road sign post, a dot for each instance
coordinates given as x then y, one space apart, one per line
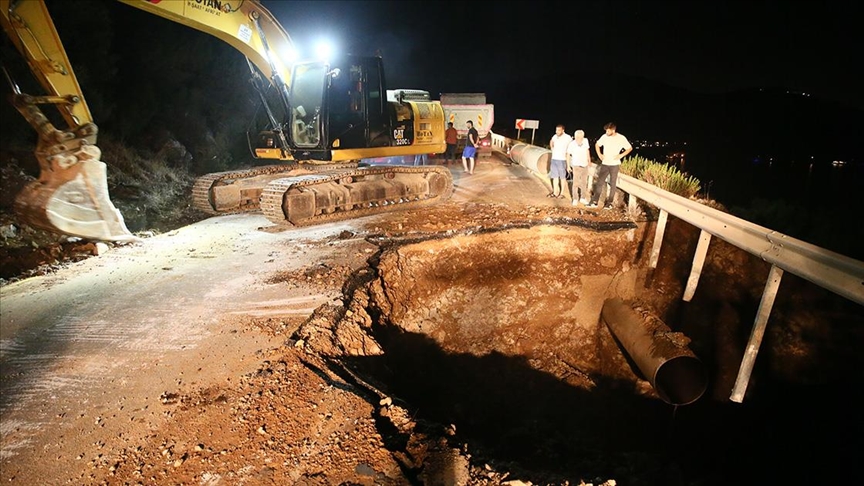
522 124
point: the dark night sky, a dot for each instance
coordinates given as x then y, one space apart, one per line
709 47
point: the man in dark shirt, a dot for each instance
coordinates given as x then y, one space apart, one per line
451 138
471 144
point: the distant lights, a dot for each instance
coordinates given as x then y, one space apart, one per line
656 143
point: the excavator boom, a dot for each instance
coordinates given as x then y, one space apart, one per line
244 24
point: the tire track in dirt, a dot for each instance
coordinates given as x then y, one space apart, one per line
87 351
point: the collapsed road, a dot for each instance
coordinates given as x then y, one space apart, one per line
457 344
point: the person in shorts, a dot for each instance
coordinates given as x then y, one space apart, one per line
558 169
470 151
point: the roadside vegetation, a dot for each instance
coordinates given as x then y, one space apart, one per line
664 176
151 189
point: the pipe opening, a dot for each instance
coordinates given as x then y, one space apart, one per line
681 380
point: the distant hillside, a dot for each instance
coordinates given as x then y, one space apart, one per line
787 125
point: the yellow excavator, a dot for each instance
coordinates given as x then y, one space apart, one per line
332 127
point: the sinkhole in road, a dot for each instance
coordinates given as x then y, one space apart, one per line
499 334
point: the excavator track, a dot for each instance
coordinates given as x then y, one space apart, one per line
238 191
309 199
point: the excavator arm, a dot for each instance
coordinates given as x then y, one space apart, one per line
71 194
244 24
248 27
251 29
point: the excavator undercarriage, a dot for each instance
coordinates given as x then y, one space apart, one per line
311 194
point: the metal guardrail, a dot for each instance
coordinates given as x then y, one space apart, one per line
838 273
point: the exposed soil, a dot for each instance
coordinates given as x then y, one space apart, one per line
460 344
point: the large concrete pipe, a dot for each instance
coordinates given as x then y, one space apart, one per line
536 159
662 356
516 151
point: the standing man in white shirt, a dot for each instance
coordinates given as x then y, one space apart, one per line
611 148
558 168
579 157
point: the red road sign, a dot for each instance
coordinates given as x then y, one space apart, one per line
520 124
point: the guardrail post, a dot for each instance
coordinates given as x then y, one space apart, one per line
757 333
633 206
698 262
658 238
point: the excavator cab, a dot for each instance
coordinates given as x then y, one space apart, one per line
341 111
330 107
337 106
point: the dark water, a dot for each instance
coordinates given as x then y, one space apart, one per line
808 198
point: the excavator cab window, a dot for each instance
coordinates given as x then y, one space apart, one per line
346 106
356 109
379 134
356 89
345 99
306 98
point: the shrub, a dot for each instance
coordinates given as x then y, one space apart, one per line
664 176
148 191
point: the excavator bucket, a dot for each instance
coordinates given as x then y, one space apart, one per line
75 203
71 194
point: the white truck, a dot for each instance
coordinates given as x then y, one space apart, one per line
462 107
